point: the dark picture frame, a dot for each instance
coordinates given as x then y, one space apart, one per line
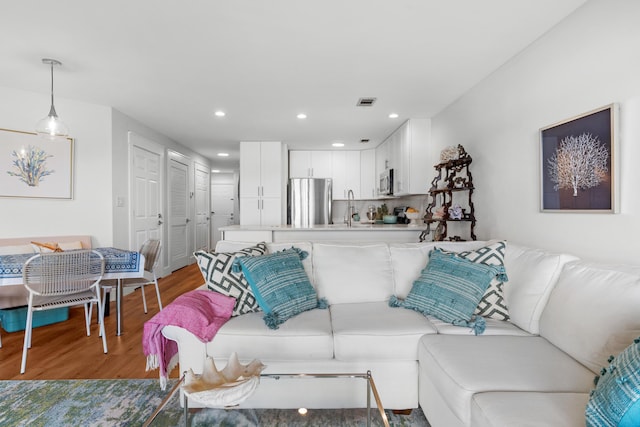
578 166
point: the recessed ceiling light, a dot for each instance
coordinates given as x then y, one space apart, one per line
220 113
215 170
302 116
223 154
393 116
338 144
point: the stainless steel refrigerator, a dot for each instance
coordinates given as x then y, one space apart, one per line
309 201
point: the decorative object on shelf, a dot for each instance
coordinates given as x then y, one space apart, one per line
452 181
439 233
455 212
449 153
51 127
578 163
440 213
229 387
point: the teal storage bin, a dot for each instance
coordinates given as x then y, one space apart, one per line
15 319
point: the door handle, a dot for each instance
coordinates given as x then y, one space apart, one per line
187 220
160 222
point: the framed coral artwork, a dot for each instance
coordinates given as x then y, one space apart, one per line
31 166
578 163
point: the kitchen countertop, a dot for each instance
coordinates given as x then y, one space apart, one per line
326 227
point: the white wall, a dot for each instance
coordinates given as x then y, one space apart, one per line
90 210
588 61
100 170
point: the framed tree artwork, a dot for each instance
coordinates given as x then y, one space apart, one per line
578 163
34 167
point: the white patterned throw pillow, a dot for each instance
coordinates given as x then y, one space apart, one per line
492 304
216 270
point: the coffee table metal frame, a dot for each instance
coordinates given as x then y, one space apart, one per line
371 388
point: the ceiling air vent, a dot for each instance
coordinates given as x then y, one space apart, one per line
364 141
366 102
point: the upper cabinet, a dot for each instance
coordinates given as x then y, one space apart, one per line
343 167
406 151
346 174
262 184
368 177
310 164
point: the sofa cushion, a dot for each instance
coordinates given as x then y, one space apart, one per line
595 301
306 336
450 288
492 327
346 273
507 409
616 399
460 366
216 268
280 285
492 304
373 330
532 275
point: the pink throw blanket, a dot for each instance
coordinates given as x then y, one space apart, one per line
200 312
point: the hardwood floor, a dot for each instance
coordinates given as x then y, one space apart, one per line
64 351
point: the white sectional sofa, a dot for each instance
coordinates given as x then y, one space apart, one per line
566 318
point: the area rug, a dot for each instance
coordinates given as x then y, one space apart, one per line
132 402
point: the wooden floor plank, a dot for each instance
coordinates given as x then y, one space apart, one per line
64 351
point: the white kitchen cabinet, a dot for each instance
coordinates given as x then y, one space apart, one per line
368 177
346 174
261 183
415 164
310 164
406 151
382 157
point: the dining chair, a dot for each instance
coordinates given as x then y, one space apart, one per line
150 249
63 279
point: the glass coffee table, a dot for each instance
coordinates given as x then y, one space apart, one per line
379 417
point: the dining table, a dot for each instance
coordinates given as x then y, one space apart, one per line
118 264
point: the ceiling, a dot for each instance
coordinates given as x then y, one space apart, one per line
171 64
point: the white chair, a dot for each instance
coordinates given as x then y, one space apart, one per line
63 279
151 251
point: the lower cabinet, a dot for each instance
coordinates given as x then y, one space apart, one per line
260 211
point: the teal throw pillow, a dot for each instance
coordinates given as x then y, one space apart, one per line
616 398
449 288
280 285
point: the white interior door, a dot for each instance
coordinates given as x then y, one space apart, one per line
202 209
179 220
146 191
222 205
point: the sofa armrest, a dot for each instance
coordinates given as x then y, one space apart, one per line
191 351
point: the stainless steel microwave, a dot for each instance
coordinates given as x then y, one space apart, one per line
386 183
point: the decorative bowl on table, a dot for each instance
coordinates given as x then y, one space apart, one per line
389 219
414 217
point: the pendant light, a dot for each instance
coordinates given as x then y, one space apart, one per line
51 127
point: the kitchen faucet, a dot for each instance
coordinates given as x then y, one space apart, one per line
350 198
